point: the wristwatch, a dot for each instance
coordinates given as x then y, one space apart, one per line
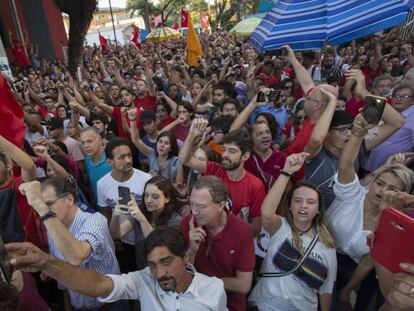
48 215
287 174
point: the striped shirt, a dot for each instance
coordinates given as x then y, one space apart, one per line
93 229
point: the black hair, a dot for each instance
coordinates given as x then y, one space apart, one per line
61 186
112 144
271 121
62 146
223 123
228 88
168 236
9 297
240 138
173 142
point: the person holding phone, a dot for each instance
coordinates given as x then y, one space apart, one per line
160 206
354 213
301 223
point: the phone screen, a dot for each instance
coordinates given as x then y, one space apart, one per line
124 194
261 97
373 109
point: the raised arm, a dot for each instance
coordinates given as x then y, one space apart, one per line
41 152
271 222
150 82
135 137
198 126
321 128
346 170
20 157
305 80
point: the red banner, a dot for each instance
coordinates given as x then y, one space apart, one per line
184 18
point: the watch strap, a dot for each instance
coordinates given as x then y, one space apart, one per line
48 215
287 174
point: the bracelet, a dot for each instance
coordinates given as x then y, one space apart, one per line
287 174
358 135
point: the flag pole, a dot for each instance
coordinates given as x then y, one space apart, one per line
113 25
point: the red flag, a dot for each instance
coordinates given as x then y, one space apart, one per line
11 125
205 24
157 20
175 26
184 18
102 41
136 37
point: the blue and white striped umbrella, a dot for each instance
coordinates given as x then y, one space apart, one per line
307 24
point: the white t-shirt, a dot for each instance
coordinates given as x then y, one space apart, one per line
345 218
292 292
107 189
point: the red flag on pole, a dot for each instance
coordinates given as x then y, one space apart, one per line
184 18
11 125
102 41
205 24
136 37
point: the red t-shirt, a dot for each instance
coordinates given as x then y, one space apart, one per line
27 215
181 132
168 119
148 102
299 144
247 192
221 255
22 59
267 171
353 105
116 113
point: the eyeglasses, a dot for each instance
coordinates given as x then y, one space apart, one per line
402 96
51 203
287 87
342 129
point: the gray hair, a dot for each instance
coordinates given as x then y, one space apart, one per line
379 79
401 86
215 186
93 129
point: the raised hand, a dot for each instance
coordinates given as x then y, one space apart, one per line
198 126
294 162
27 257
32 191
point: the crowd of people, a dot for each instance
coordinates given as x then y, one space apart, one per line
247 182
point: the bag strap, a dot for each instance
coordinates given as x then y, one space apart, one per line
299 263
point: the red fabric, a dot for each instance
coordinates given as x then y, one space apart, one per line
247 192
184 18
148 102
220 256
116 113
299 144
102 41
27 215
169 119
268 81
181 132
288 128
270 169
29 296
205 24
21 57
136 37
175 26
353 105
11 125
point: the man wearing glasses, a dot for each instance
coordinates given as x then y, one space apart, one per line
402 140
79 238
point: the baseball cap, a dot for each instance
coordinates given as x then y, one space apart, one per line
341 117
147 116
55 123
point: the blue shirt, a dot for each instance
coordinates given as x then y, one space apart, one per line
149 143
91 228
96 171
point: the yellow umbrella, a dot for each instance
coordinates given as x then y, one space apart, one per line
246 26
162 34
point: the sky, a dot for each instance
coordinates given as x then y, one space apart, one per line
115 3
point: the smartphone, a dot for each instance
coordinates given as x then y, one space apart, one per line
6 269
373 109
392 242
124 194
285 52
274 96
261 97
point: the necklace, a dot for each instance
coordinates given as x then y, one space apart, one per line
301 232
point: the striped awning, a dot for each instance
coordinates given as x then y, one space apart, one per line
307 24
162 34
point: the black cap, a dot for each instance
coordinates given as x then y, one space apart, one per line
341 117
55 123
147 116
